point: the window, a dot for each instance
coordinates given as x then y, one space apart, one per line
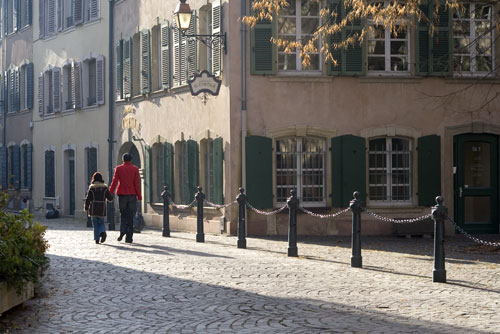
67 87
89 82
211 177
388 51
298 22
14 167
136 56
389 170
157 177
47 92
91 162
16 15
300 165
473 39
26 163
185 53
181 173
57 15
50 180
156 58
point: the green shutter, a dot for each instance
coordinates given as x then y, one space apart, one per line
168 167
348 169
119 69
145 62
259 170
354 55
335 7
218 170
16 166
262 50
4 157
29 85
429 169
192 169
166 66
434 51
29 166
147 174
127 67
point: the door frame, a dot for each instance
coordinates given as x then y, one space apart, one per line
460 189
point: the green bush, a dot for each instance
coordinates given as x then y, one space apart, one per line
22 247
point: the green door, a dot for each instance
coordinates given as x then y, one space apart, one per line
476 182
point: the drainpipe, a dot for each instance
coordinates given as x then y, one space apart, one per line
111 105
243 98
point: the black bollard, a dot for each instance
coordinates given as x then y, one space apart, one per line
439 214
166 212
293 204
242 202
111 216
356 206
200 197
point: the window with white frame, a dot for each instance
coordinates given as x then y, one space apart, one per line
16 15
388 49
50 177
473 38
390 170
301 165
156 83
298 22
60 15
48 106
67 87
89 82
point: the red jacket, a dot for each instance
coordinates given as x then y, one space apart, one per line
126 177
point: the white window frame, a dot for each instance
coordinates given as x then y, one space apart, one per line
299 171
387 48
389 172
86 76
48 104
298 36
473 41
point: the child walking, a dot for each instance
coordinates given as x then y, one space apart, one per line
95 205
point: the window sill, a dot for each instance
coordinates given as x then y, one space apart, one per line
94 106
472 79
391 78
300 78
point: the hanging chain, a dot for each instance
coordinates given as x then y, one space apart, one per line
266 213
220 206
317 215
398 221
479 241
182 206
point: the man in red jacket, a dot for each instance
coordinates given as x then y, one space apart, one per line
128 188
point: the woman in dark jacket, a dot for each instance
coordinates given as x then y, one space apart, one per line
95 205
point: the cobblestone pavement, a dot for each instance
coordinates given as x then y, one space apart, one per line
175 285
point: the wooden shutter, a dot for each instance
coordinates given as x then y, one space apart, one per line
5 16
218 172
178 55
335 6
348 169
41 18
50 190
259 169
56 89
262 50
29 12
354 55
78 12
119 69
191 50
60 15
147 174
127 68
40 94
6 96
192 168
16 166
168 165
100 85
434 52
17 90
94 9
12 90
5 172
165 56
216 30
29 85
76 85
145 62
15 15
29 166
429 169
51 19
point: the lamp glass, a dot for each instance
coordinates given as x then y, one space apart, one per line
183 15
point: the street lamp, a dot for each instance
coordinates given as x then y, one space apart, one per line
182 18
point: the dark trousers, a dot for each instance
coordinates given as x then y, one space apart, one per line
128 206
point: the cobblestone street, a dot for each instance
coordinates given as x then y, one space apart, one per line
175 285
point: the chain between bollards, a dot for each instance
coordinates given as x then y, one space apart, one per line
439 214
293 204
166 211
199 197
242 201
356 206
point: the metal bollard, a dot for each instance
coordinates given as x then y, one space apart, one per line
439 214
166 212
293 204
242 201
356 206
200 197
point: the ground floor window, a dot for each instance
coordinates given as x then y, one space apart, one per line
301 165
50 181
390 170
